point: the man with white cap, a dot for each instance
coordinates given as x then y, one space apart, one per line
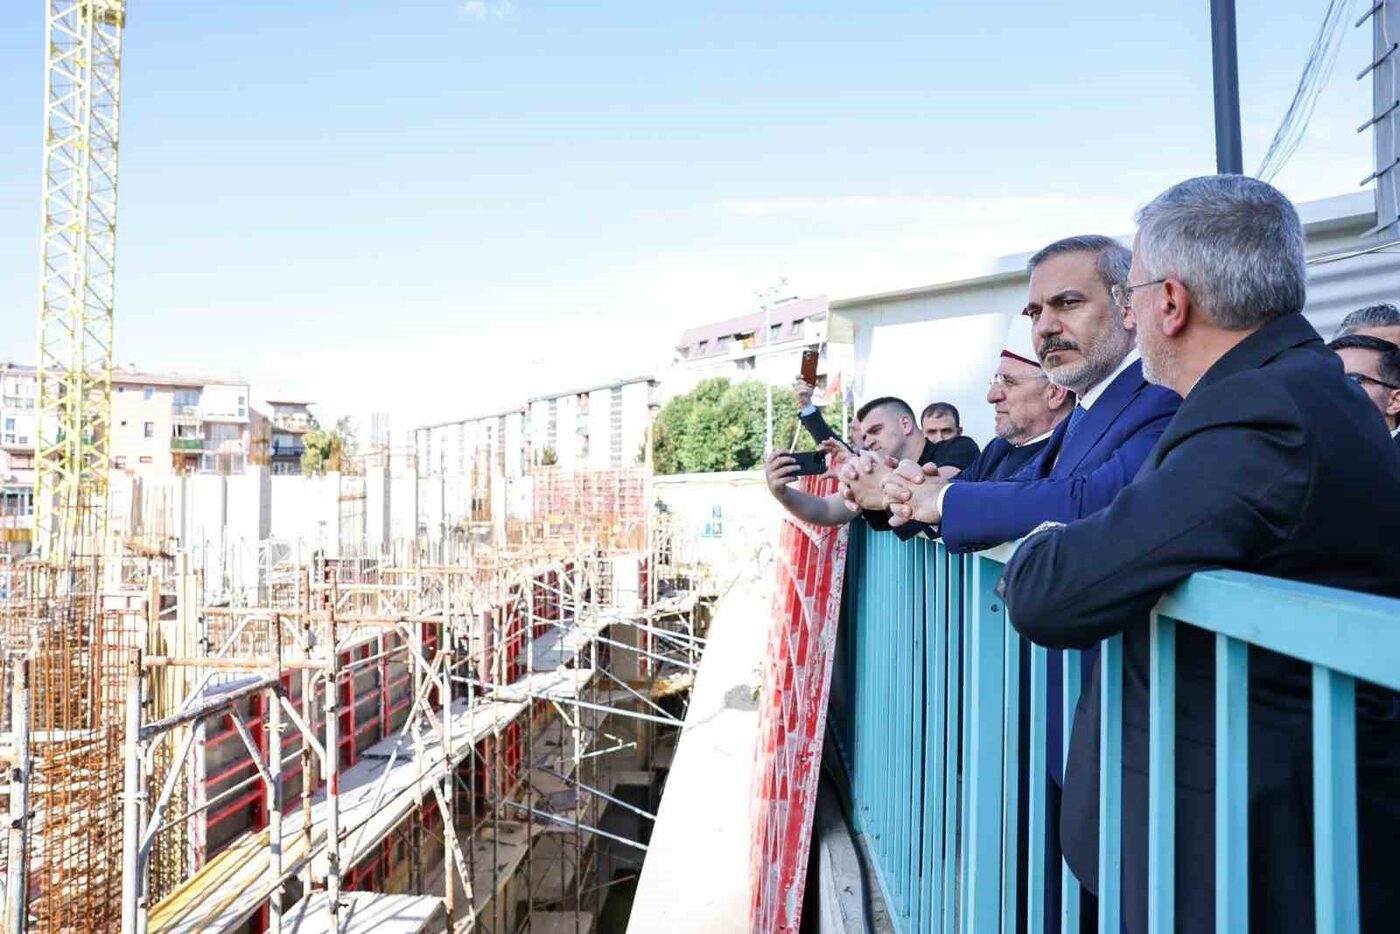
1028 408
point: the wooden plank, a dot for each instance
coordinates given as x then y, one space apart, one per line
368 913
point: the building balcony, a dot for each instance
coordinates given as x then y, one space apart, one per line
296 423
287 450
187 444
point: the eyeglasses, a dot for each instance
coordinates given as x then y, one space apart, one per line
1009 382
1123 294
1361 379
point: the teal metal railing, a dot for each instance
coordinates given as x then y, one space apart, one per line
926 715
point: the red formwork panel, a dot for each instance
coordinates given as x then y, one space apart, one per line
797 666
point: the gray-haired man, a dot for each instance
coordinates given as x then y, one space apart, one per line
1381 321
1259 471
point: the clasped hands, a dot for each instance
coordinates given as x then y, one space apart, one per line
909 491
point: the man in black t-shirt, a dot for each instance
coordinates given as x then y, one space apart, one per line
888 429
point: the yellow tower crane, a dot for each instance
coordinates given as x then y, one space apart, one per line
77 276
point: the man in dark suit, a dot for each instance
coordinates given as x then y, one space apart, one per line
1272 465
1084 341
1374 364
811 418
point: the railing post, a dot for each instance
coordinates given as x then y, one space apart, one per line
1037 780
935 726
986 633
1231 784
1069 885
1338 906
1011 779
952 575
1161 779
1110 784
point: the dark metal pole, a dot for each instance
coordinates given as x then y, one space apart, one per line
1229 154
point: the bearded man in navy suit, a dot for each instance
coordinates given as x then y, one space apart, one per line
1085 341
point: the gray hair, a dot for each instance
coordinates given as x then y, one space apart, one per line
1384 315
1236 243
1112 259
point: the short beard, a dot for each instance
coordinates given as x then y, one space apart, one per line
1159 365
1101 359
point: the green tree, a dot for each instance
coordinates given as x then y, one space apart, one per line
720 426
328 451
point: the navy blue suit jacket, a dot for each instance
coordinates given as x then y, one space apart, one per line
1275 465
1001 460
1109 445
1068 481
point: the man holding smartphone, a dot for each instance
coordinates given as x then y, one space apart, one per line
889 428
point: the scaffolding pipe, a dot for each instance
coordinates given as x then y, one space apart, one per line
332 776
16 867
449 792
274 801
203 710
307 724
131 799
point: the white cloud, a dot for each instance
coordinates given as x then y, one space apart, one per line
481 10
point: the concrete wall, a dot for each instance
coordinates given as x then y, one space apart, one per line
306 510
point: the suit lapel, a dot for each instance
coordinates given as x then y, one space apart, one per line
1104 413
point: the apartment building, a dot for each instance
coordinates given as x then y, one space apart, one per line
475 470
763 346
595 427
18 398
165 424
279 434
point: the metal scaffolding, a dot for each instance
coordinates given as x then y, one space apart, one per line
450 736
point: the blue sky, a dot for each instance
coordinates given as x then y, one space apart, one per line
437 207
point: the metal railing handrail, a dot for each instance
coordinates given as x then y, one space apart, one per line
933 712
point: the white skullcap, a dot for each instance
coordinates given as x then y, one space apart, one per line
1019 344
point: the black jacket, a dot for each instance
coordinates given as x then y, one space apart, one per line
880 521
816 425
1274 464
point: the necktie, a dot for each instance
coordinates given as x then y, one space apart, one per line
1075 418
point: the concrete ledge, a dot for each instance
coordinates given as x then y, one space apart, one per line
695 879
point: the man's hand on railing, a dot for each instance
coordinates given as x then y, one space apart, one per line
861 481
911 492
779 470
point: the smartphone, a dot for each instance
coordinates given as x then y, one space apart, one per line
809 367
810 463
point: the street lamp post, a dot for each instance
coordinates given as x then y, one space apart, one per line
1229 153
768 382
